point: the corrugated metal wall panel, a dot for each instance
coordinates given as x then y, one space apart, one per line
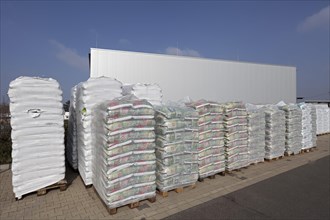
217 80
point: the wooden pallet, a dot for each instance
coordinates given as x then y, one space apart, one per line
201 179
177 190
236 170
273 159
222 173
323 134
63 184
307 150
289 154
132 205
255 163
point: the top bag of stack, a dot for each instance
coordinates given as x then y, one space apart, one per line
151 92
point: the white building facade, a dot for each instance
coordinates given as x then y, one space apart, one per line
217 80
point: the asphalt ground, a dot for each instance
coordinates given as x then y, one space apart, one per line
301 193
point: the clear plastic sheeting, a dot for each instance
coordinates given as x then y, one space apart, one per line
176 146
307 126
151 92
124 166
211 154
256 133
37 134
90 93
275 132
322 118
314 126
71 144
293 136
236 136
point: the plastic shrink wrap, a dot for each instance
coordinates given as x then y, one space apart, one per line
151 92
71 144
293 125
176 146
211 154
322 118
37 134
236 136
307 131
256 133
90 93
124 168
275 132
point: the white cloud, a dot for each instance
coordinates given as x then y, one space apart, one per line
182 52
315 21
70 56
124 42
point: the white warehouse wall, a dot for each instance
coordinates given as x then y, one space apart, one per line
218 80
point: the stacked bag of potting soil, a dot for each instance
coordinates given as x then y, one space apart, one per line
71 144
37 134
90 93
151 92
211 157
236 136
256 133
176 147
293 136
307 126
124 166
322 118
275 132
314 126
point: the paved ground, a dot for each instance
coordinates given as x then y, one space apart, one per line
77 202
301 193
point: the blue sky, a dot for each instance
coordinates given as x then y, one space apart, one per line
53 39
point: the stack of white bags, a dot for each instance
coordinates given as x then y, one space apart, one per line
176 147
151 92
314 126
293 136
323 118
211 154
275 132
71 144
124 168
256 132
236 136
90 93
307 126
37 134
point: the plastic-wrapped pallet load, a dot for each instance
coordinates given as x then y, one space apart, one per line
124 168
314 128
176 147
293 136
275 132
211 157
151 92
90 93
236 136
37 134
322 118
327 127
71 144
256 133
307 126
